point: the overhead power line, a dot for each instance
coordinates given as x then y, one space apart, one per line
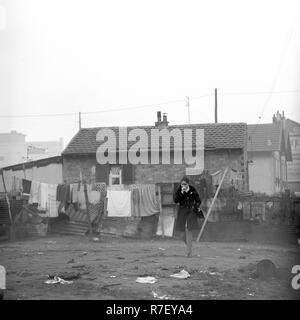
276 75
152 105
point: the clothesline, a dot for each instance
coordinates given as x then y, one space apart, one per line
53 198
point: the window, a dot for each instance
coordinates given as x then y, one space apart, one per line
115 176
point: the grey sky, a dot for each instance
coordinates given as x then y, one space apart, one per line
64 56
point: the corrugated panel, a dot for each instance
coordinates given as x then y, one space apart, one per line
120 226
70 227
4 214
81 215
16 206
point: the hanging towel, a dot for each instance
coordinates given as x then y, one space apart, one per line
26 186
52 205
81 197
17 185
8 179
144 200
119 203
74 192
63 196
149 203
216 178
43 196
135 202
94 197
34 192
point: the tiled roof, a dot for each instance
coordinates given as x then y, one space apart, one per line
216 136
264 137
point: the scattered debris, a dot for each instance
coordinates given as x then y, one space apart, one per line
181 275
146 280
215 273
213 293
110 285
58 280
71 261
156 296
78 266
66 276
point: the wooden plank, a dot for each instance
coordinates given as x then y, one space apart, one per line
87 208
12 233
211 206
161 213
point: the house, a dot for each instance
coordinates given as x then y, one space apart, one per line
269 151
223 145
293 168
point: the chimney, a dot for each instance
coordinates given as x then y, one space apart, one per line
158 122
161 124
165 117
158 116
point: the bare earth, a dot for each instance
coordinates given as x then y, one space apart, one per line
109 268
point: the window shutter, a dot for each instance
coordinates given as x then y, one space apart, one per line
102 173
128 174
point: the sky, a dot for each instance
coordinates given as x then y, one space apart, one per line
62 57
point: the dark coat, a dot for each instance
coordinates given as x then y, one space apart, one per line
188 200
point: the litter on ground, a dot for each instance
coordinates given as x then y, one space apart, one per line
181 275
58 280
146 280
157 296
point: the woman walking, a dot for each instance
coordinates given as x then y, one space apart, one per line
189 211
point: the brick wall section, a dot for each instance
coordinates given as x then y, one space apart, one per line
160 173
73 165
214 160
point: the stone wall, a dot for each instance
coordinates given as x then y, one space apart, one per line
214 160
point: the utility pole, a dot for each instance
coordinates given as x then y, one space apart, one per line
79 120
187 104
216 105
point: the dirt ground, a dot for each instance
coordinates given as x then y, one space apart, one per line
108 269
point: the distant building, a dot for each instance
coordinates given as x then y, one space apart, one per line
293 170
269 152
15 149
43 149
12 148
